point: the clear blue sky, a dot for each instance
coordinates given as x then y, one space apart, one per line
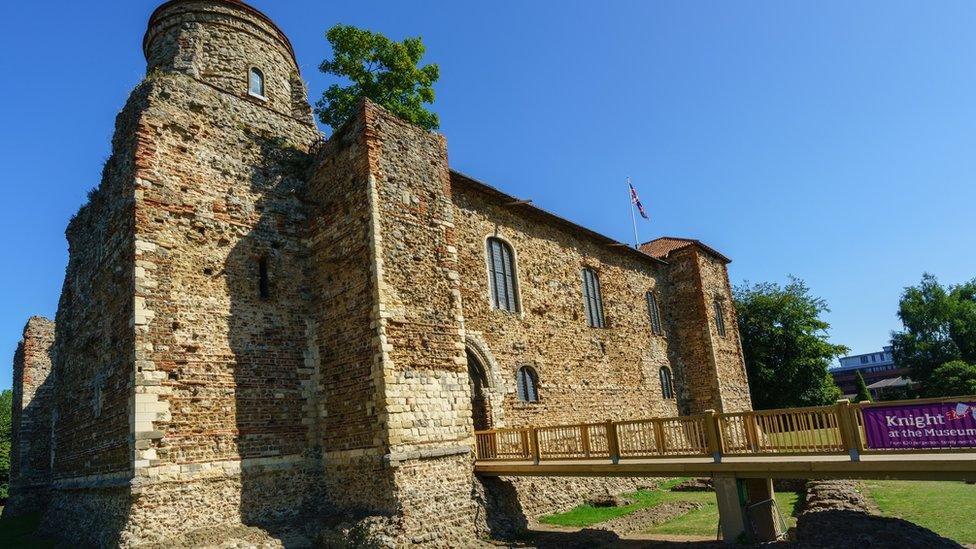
833 140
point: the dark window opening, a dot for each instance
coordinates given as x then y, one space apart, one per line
526 383
592 299
667 387
264 283
255 84
655 314
501 267
719 317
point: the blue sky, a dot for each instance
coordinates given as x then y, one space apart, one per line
832 140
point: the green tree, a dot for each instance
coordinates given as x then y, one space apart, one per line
785 345
380 69
863 394
939 329
6 409
956 378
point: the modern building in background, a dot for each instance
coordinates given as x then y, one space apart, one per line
879 370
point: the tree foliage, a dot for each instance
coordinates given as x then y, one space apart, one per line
6 409
785 345
938 341
380 69
956 378
863 394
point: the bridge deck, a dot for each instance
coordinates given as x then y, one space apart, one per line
950 466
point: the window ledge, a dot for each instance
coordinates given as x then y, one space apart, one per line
257 96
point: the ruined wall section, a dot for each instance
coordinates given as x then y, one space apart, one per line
343 281
427 401
92 372
585 374
30 450
94 335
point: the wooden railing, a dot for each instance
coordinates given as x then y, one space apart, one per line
822 430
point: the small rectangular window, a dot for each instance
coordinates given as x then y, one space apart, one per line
264 285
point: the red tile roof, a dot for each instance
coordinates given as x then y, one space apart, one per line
662 247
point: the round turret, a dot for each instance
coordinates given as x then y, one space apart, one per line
230 45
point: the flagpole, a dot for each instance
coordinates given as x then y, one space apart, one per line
633 218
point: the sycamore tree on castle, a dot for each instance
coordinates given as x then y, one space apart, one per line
785 344
380 69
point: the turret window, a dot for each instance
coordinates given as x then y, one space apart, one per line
255 83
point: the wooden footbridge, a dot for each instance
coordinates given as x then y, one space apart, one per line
815 442
933 439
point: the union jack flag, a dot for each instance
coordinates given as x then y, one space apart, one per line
635 200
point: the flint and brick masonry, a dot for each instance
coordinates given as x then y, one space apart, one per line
258 325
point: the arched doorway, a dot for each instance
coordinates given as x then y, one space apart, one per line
480 405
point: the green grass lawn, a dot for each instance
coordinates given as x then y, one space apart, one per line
946 508
702 522
585 515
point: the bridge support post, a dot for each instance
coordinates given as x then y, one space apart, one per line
746 509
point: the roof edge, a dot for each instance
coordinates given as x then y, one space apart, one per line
692 242
484 187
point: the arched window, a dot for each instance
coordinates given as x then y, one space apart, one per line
255 82
592 299
667 388
526 384
501 266
719 317
655 314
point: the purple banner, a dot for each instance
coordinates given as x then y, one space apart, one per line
937 425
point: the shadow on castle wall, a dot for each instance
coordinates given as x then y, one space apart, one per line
269 306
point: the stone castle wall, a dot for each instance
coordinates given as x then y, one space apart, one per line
343 281
92 371
426 405
222 380
713 375
585 374
30 459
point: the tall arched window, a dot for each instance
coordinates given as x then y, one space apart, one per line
501 267
667 388
719 317
526 384
255 82
592 299
654 313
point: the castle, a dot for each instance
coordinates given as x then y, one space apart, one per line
258 325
